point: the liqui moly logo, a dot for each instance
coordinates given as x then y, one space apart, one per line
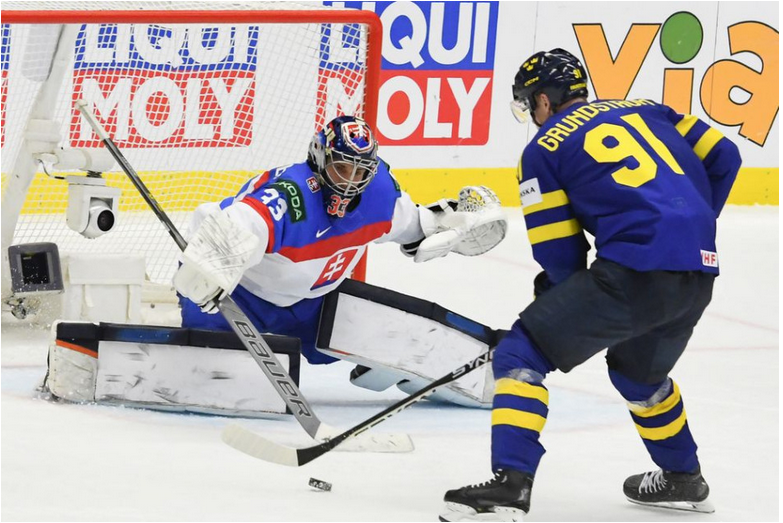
436 78
166 86
5 60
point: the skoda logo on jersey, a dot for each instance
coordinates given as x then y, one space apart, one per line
358 136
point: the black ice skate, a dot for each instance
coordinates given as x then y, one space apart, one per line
675 490
506 497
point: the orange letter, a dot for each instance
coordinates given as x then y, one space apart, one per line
678 89
613 78
757 114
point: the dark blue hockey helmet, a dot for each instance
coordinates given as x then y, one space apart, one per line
344 155
556 73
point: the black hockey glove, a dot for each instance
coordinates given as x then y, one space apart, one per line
541 284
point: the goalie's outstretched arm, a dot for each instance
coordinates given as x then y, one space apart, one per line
471 225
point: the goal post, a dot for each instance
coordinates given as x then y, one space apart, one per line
200 97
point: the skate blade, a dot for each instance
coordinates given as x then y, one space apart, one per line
456 512
705 507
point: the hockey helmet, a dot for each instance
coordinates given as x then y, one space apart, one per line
556 73
344 155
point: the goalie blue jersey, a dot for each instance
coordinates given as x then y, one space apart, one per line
645 182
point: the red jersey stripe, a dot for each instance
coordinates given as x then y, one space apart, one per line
329 246
261 181
263 211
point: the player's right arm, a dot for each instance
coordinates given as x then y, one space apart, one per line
558 242
226 239
719 155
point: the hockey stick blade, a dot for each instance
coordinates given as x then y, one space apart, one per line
367 442
260 447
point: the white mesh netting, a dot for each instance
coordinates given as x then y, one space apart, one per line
196 108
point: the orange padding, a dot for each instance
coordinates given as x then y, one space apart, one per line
77 348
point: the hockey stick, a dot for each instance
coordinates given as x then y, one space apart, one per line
242 326
259 447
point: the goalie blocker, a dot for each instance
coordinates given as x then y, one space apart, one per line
172 369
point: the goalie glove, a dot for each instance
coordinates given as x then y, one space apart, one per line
215 259
470 226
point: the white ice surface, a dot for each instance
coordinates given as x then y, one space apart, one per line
87 463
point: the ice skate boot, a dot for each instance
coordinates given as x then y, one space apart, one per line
506 497
674 490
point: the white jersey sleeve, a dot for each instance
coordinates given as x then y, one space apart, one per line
406 226
242 214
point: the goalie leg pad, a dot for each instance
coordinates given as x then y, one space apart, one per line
73 369
163 368
405 340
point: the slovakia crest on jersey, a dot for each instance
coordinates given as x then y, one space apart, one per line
313 184
335 267
357 136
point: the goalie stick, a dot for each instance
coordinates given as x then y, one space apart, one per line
259 447
244 328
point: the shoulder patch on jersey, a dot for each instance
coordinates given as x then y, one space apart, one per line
296 205
530 192
313 185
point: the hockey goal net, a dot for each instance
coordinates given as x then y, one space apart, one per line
199 96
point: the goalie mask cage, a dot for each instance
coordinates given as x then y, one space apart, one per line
199 96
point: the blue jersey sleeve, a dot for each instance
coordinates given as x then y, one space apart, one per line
719 155
558 242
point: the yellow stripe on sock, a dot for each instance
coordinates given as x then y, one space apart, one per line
520 388
518 418
659 408
667 431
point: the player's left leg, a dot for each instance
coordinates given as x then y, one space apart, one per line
658 413
638 369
